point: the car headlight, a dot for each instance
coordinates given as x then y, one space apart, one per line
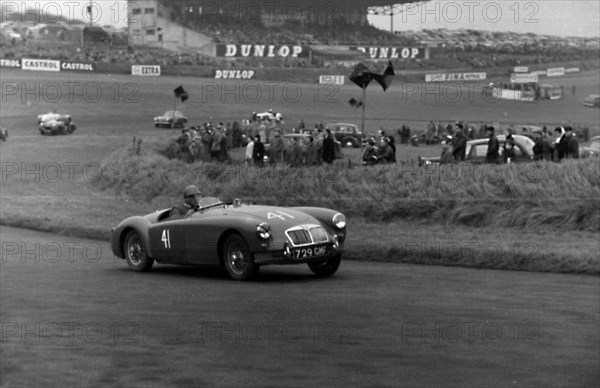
339 220
263 231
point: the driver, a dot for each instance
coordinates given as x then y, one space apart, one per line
190 205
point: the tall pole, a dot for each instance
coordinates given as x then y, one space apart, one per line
364 99
392 18
90 12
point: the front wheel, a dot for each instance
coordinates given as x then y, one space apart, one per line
327 267
135 255
238 259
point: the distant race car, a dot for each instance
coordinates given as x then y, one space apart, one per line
240 237
171 119
3 134
51 124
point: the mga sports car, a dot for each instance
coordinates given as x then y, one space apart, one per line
52 124
240 237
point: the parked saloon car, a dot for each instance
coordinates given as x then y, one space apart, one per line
592 150
171 119
55 124
593 101
347 134
477 149
240 237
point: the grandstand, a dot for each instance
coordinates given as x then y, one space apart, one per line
184 24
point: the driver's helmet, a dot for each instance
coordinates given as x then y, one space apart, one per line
191 190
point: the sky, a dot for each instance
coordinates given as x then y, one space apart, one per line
553 17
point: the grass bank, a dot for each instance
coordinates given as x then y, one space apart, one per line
531 195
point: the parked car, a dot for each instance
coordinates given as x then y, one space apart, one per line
52 123
347 134
592 150
477 149
593 101
239 237
171 119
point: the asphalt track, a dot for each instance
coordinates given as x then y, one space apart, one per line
73 315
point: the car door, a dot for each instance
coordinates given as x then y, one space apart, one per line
202 236
168 241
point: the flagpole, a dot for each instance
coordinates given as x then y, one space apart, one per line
174 108
363 111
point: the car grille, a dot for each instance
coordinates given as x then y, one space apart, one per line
307 234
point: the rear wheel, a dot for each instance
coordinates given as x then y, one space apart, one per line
238 259
327 267
135 255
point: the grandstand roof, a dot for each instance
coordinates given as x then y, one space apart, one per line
365 3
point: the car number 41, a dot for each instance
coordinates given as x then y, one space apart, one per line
166 238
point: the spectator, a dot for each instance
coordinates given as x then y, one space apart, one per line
561 144
385 153
492 155
370 155
250 152
258 152
509 146
572 143
542 150
277 148
459 146
328 147
311 152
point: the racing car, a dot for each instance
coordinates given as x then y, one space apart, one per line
3 134
51 124
240 237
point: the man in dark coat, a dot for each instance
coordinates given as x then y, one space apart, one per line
258 153
459 146
561 144
542 150
572 143
328 148
492 154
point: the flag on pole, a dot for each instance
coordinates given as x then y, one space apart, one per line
362 76
181 93
385 79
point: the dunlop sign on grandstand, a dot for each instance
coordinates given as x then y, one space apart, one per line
331 79
234 74
524 78
261 50
40 64
455 77
392 52
145 70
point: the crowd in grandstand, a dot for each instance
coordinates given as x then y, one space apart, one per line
453 48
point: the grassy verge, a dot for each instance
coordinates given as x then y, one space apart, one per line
531 195
397 241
